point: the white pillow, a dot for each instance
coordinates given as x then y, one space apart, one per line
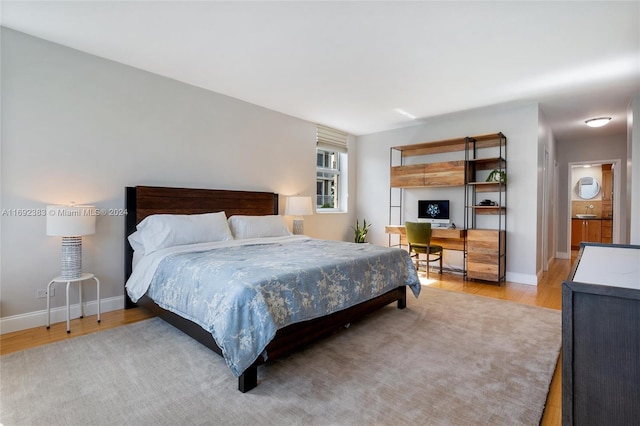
258 226
135 240
137 257
138 248
167 230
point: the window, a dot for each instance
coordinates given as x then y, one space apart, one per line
331 162
327 179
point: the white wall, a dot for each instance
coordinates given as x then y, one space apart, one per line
78 127
595 149
547 208
633 175
518 123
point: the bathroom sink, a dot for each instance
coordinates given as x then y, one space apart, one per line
586 216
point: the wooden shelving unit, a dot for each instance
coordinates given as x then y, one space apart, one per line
422 175
485 249
486 244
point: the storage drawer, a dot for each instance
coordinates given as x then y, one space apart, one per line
485 240
449 173
486 258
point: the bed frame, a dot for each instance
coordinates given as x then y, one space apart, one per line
142 201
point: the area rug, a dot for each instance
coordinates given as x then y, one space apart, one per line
448 359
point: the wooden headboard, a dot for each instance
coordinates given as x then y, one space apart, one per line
143 201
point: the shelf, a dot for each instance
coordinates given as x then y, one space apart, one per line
492 139
488 209
488 163
449 145
488 186
427 148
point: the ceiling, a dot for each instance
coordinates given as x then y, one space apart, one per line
350 65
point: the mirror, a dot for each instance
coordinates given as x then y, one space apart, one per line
587 187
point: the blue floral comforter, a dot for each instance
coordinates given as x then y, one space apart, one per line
243 294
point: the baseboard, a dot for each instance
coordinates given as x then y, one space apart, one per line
58 314
563 255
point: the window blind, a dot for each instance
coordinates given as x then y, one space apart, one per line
331 139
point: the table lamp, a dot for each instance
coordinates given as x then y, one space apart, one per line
298 206
71 223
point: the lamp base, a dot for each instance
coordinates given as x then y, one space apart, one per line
71 257
298 226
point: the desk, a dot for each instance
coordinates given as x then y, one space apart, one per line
448 238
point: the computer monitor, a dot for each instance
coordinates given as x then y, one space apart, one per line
434 211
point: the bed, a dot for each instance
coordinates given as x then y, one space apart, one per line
283 335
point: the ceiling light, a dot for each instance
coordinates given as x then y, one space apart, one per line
598 122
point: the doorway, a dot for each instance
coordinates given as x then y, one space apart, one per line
593 202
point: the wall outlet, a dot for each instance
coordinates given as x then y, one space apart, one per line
42 294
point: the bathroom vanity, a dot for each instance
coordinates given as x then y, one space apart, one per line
585 230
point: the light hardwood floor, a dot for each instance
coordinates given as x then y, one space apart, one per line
548 294
25 339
